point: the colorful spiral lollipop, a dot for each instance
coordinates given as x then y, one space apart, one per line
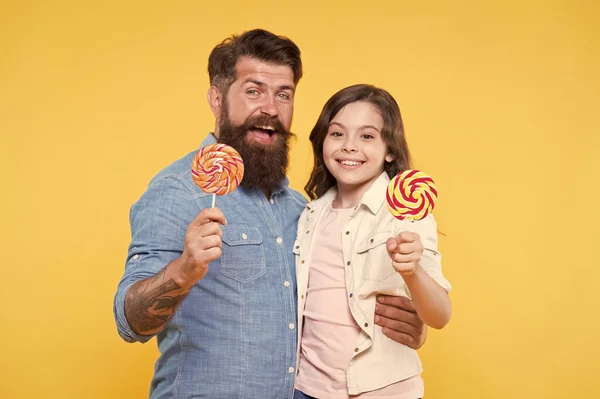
411 195
217 169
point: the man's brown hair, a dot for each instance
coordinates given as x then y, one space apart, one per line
258 44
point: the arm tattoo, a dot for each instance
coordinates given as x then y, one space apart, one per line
151 303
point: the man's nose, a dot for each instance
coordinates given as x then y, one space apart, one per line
269 107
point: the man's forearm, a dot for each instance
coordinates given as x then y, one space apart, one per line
150 303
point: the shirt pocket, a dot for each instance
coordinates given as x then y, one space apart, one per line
377 265
243 253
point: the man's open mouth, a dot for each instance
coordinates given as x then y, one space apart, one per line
265 129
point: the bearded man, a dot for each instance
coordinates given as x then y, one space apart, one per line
217 286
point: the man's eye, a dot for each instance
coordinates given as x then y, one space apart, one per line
252 92
284 96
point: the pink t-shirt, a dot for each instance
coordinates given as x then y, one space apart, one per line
330 333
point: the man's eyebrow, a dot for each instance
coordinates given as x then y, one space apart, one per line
287 87
254 81
263 84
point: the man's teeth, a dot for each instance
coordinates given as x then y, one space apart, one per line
265 128
350 163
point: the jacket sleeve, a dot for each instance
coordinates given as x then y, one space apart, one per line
431 260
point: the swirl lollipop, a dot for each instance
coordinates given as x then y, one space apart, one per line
411 195
217 169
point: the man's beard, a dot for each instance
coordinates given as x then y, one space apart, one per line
265 165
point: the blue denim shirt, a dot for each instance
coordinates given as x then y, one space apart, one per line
234 335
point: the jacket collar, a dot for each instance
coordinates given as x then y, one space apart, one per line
372 199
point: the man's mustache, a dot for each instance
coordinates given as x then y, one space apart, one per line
265 122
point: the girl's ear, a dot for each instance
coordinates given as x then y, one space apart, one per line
389 157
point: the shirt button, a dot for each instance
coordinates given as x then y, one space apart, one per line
291 326
302 296
350 295
348 263
279 240
356 349
244 236
135 256
291 370
286 283
307 231
272 201
347 232
366 324
301 261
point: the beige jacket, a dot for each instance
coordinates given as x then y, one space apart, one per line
378 361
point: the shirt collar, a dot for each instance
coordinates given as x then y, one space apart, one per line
208 140
372 199
283 185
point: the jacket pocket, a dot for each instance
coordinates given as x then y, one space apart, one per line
377 263
243 254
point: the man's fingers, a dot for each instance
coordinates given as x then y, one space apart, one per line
199 244
212 254
210 215
208 229
394 314
212 241
205 250
401 302
398 326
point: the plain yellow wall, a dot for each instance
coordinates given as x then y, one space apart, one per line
500 101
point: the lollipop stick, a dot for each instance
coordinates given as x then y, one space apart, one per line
213 202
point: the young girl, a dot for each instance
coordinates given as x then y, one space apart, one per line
350 248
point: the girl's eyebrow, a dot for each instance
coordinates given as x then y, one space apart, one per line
362 127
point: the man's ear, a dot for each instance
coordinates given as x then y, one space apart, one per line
215 101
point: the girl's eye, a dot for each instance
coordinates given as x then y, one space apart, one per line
336 134
368 136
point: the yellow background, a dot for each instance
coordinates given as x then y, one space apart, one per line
500 101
